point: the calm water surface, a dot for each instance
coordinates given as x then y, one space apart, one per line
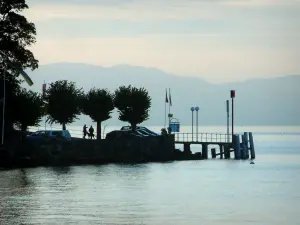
194 192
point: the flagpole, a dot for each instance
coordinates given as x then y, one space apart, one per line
166 101
4 100
44 97
165 112
169 105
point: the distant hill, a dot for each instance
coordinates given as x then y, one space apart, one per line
258 101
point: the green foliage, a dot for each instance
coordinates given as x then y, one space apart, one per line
28 107
16 35
133 104
98 104
63 98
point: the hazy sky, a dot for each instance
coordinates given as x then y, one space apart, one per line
218 40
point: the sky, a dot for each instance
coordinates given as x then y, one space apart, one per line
216 40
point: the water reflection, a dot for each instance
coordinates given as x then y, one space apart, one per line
191 192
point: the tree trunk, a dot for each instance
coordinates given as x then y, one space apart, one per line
24 129
64 126
133 126
98 130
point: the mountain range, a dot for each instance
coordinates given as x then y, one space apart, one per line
272 101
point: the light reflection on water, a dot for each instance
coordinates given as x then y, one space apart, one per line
193 192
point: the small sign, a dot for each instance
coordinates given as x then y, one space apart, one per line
175 126
44 89
170 115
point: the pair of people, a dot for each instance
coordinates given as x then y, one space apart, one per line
90 134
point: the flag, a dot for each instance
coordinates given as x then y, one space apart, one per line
44 89
22 72
167 101
170 99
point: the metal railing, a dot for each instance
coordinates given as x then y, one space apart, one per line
203 137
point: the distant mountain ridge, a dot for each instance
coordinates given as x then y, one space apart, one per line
272 101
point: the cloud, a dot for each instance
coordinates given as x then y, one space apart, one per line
132 10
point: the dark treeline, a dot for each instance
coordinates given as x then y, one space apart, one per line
63 101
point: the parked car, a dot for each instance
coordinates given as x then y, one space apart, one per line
143 131
52 134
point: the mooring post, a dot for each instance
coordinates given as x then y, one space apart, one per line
213 153
252 151
204 151
244 146
187 148
222 151
247 145
236 146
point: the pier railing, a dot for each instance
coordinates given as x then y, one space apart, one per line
203 137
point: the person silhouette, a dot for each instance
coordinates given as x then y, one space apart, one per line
84 131
91 130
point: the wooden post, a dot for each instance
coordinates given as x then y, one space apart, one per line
244 148
213 153
204 151
252 151
187 148
237 150
222 151
247 145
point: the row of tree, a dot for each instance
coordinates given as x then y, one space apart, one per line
63 102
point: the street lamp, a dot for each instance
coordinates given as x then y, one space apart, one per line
197 110
192 109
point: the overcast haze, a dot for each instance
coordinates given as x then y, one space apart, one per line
219 41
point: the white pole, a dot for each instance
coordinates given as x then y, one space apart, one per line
192 109
4 100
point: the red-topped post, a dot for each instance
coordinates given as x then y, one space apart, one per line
232 96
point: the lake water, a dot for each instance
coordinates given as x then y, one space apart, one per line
192 192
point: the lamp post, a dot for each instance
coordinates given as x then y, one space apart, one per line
4 96
197 110
232 95
192 109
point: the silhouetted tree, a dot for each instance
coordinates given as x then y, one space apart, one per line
63 102
28 105
133 104
98 104
16 35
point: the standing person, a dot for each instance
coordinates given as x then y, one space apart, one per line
91 130
84 131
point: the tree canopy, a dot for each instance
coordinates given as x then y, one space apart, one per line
63 102
98 104
133 104
16 36
29 106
